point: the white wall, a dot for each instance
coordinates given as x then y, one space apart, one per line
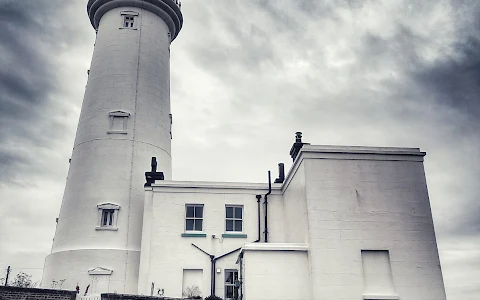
169 253
73 265
276 275
370 199
295 206
130 71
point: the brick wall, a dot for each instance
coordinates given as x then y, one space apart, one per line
17 293
134 297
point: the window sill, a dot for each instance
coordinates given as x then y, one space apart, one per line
380 297
127 28
234 236
192 234
111 228
117 131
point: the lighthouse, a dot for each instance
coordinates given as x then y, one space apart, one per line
125 121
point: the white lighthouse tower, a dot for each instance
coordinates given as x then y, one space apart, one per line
125 120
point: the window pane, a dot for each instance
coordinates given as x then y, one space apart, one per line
190 212
228 277
229 225
189 225
198 225
229 292
235 293
238 212
104 222
111 219
229 211
199 212
238 225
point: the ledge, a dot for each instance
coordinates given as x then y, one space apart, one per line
234 236
211 186
117 132
194 234
111 228
380 297
168 10
275 247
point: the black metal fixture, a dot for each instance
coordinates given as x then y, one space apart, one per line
281 173
297 145
213 260
258 213
266 206
153 175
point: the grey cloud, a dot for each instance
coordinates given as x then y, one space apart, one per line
27 80
269 72
455 81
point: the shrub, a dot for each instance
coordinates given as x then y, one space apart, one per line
213 297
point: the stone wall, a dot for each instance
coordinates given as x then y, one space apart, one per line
17 293
134 297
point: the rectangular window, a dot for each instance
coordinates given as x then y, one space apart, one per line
107 217
128 21
194 217
231 289
233 218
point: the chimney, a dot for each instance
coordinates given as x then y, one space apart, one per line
281 173
297 145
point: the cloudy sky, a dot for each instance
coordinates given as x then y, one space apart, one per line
247 74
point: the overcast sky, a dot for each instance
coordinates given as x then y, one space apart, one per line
245 75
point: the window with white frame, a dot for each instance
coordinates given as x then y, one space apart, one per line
194 217
231 289
234 218
118 122
107 216
129 19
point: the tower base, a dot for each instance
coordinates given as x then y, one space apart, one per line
105 270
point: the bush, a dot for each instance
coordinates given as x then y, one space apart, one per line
213 297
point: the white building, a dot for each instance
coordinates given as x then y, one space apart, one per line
344 223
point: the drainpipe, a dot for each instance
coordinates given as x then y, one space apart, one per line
240 278
213 260
258 213
266 206
212 285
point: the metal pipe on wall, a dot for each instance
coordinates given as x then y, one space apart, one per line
266 206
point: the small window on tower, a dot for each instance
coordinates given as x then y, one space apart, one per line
129 19
108 216
118 122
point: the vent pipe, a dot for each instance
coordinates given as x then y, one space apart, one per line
281 173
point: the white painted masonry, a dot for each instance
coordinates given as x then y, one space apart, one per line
336 202
347 223
130 78
166 253
263 266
